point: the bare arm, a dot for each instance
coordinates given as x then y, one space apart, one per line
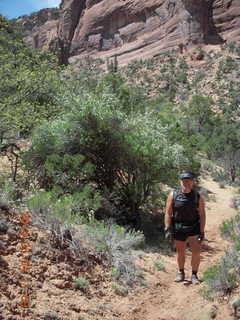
202 214
169 211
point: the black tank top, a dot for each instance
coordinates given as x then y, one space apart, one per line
185 207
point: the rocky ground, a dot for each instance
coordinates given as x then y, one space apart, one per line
53 295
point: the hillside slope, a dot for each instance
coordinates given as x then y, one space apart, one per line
162 299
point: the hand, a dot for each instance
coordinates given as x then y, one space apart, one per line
168 233
201 236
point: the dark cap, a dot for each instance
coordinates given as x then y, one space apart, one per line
186 175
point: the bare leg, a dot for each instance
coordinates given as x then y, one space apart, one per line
180 247
196 249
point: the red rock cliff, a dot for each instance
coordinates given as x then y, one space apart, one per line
130 27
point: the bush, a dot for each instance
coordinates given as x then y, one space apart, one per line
75 207
99 145
152 227
231 46
62 217
224 277
9 192
51 315
227 228
220 176
159 266
235 202
81 284
227 65
116 244
231 228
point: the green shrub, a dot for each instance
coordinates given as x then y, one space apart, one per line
98 144
153 227
120 290
231 46
51 315
8 193
227 65
114 243
72 208
81 284
211 273
29 81
227 228
159 266
115 273
223 278
231 228
219 175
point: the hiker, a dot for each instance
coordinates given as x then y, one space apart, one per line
185 222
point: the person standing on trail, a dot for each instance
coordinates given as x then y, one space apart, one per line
185 220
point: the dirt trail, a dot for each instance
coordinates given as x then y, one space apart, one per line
167 300
163 299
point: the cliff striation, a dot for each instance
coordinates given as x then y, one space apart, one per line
133 28
41 27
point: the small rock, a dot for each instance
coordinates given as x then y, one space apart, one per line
52 292
12 295
2 246
235 304
11 249
36 250
213 312
12 234
34 236
51 315
3 227
121 291
104 306
92 312
57 283
4 207
3 263
75 307
42 239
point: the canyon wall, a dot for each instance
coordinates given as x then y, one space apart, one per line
131 27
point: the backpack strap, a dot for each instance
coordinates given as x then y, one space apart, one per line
196 197
175 194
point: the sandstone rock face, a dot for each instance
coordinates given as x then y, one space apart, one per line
226 18
40 27
132 27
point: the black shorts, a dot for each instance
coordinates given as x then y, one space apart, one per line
182 236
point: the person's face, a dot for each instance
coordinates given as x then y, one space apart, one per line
187 184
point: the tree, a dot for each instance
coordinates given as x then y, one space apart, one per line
227 146
200 111
129 155
29 80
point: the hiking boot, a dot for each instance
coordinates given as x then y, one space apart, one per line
180 277
195 279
